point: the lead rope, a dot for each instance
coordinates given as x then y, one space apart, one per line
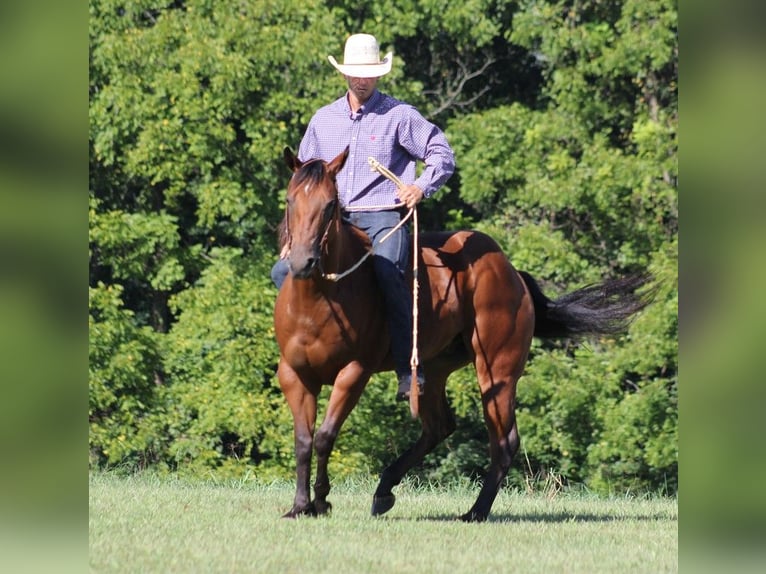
338 276
414 391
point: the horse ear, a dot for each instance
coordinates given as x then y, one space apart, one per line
291 160
337 164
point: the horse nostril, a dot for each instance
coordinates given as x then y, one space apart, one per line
302 268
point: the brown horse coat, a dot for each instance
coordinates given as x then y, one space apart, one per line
473 307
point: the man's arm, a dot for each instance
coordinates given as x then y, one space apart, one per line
426 142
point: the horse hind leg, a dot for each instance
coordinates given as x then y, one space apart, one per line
437 422
498 379
500 342
502 453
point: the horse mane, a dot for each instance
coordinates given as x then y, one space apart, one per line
282 232
312 171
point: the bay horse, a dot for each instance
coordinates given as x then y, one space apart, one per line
474 307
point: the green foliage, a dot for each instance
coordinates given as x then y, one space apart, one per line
378 430
190 105
605 414
563 117
123 359
224 409
638 447
557 400
598 164
138 246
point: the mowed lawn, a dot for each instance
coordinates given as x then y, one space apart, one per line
149 524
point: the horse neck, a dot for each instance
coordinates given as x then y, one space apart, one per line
338 252
344 248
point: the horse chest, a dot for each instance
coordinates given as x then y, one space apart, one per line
317 341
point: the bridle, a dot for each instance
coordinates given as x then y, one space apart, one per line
333 219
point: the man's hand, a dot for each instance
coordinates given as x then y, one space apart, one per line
410 195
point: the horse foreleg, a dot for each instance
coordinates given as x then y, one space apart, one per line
303 448
437 422
347 389
303 405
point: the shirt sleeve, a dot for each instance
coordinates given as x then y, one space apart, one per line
426 142
308 148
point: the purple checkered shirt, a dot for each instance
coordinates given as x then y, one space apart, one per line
392 132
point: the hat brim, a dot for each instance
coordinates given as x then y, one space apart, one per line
364 70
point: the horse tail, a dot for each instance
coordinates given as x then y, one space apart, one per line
605 308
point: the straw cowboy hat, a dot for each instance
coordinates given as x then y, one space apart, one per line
361 58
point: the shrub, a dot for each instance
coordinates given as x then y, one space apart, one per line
124 361
224 409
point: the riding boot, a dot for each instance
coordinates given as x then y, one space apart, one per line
398 301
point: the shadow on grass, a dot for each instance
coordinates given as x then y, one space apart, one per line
551 518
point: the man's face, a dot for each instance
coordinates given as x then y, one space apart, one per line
362 88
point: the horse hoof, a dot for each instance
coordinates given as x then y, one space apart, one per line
322 508
297 512
382 504
473 516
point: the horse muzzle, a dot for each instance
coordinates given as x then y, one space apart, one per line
303 262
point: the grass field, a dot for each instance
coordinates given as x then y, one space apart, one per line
148 524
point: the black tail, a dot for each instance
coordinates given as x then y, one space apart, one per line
606 308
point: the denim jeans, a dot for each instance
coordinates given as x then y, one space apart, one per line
390 260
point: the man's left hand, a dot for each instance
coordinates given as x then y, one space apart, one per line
410 195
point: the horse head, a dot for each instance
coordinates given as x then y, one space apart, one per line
312 209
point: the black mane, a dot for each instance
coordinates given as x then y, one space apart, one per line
312 171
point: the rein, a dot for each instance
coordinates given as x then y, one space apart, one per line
375 165
338 276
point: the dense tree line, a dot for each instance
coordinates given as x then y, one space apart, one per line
563 117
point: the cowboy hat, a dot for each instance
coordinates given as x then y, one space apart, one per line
361 58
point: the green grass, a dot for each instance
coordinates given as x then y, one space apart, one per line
149 524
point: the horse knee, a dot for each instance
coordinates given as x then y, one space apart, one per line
324 442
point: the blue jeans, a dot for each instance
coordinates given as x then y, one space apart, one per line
390 260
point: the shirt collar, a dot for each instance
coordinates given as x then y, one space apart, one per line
366 107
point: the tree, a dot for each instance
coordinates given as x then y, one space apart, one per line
580 186
563 117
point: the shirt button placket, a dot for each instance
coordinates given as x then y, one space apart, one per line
351 160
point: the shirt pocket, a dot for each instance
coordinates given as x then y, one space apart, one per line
380 146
